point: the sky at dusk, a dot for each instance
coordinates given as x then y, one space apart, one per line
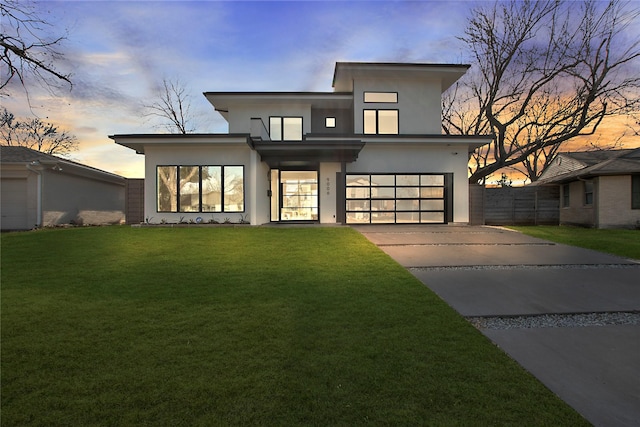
119 51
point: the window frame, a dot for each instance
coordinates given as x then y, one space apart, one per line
373 93
566 195
282 136
377 120
177 195
635 191
326 122
588 192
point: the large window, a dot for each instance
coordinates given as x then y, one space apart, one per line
285 128
635 192
200 188
395 198
381 122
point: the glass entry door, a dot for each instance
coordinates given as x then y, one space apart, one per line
296 195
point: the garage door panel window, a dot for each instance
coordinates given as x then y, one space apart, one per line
407 192
395 198
432 217
408 180
437 180
432 205
408 217
432 192
378 180
358 181
383 192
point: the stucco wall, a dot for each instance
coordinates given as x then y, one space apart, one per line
418 104
420 158
69 198
614 203
240 116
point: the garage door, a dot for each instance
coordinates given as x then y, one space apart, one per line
396 198
14 204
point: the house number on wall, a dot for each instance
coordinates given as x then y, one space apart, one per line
328 186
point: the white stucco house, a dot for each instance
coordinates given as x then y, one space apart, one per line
39 189
369 152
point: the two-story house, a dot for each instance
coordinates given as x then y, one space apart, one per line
370 152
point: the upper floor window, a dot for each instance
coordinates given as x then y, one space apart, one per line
285 128
330 122
390 97
381 122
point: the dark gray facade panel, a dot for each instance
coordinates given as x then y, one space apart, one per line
343 116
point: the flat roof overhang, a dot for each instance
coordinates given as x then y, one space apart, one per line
469 142
138 142
298 153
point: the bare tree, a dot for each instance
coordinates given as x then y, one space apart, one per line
173 106
35 134
545 72
27 48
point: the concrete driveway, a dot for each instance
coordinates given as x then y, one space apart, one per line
570 316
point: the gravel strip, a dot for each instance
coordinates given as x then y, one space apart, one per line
556 320
524 267
466 244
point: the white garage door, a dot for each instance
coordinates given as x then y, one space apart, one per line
14 204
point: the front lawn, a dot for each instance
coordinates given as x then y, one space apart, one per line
242 326
625 243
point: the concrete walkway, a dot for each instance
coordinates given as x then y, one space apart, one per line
489 272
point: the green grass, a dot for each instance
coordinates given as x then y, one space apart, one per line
625 243
242 326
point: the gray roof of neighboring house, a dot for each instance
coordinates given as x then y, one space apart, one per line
588 164
10 154
16 154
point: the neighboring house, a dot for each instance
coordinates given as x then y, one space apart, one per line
371 151
598 189
39 189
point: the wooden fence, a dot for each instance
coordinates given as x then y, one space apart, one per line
530 205
134 201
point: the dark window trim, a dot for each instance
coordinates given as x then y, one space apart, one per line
282 127
222 192
588 201
566 195
377 110
364 97
635 191
326 124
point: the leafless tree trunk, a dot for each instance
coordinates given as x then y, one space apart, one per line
26 48
173 106
544 72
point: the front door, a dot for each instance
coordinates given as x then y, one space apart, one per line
294 195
